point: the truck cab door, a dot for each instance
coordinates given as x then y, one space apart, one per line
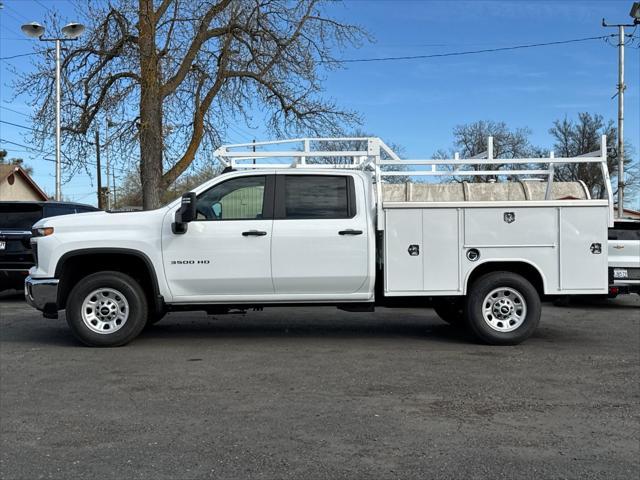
320 245
226 251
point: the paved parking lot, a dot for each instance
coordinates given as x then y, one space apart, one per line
319 393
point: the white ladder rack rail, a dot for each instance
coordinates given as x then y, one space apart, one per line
301 150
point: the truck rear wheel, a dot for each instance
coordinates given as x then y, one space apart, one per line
106 309
503 308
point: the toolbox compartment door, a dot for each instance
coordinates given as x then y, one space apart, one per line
403 250
441 262
583 248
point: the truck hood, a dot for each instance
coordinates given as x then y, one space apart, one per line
91 221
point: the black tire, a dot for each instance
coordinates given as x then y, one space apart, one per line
136 310
450 309
523 298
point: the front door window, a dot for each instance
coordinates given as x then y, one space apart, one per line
236 199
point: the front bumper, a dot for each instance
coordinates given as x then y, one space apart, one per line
42 294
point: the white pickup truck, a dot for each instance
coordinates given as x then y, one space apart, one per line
624 257
308 232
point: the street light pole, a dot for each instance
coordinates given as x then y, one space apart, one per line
70 32
58 159
635 14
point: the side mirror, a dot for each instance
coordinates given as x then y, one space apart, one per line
186 213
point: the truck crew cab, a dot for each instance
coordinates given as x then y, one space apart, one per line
307 232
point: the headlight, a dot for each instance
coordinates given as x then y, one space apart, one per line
42 232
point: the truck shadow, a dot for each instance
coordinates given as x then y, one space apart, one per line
327 323
179 332
593 302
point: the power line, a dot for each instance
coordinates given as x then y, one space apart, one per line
122 170
18 56
469 52
42 5
14 111
21 126
41 132
25 146
7 12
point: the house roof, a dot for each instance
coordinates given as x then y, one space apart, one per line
6 170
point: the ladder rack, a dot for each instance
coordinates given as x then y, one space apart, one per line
373 155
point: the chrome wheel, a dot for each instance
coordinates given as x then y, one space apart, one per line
105 311
504 309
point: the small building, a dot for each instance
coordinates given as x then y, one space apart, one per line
16 184
628 213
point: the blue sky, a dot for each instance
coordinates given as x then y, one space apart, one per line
417 103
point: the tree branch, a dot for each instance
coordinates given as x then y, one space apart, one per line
199 115
201 36
89 111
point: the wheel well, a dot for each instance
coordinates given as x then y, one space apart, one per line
75 266
528 271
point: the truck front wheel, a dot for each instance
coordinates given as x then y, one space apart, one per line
106 309
503 308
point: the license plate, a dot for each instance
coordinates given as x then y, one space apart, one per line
620 273
3 244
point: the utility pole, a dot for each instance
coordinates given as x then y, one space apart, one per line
113 176
98 170
635 14
621 87
106 145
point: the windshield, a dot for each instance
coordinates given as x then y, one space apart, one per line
19 216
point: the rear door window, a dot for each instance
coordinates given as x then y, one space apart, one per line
315 197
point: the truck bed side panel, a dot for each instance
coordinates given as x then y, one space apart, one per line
560 241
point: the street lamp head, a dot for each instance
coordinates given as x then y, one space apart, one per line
635 12
72 31
33 29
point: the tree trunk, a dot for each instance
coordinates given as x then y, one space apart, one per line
151 144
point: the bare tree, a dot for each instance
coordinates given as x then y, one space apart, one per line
470 140
15 161
130 192
575 138
361 145
173 74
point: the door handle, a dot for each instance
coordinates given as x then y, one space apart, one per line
350 232
254 233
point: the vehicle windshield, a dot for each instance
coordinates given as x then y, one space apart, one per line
19 216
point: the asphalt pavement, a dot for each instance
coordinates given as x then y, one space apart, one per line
316 393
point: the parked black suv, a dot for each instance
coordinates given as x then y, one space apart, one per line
16 220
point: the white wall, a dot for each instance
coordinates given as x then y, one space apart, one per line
20 190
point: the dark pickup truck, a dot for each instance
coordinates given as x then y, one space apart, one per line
16 219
